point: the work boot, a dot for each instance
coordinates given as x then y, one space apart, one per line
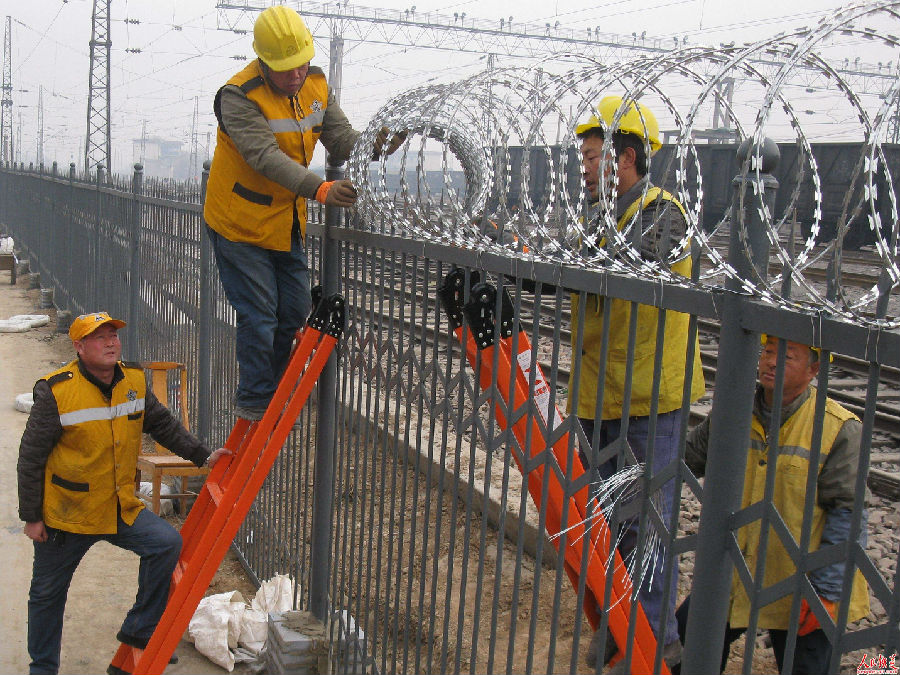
256 414
671 655
247 413
594 649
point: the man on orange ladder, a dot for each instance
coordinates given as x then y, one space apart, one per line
76 469
662 225
271 115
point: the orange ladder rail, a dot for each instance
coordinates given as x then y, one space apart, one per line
480 353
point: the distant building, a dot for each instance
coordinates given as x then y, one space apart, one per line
163 158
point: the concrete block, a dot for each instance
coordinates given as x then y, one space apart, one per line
297 644
63 321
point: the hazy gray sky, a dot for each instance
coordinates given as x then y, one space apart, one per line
166 53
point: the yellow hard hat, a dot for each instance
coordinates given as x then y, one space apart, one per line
764 338
281 39
634 121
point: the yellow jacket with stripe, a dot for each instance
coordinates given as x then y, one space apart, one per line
614 371
258 181
792 466
834 491
78 455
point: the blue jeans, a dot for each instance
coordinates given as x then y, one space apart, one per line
665 451
269 291
55 560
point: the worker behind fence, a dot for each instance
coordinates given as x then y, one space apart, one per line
662 225
76 470
833 497
271 115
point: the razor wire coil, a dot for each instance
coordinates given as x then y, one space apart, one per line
494 127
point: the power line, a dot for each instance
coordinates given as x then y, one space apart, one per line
459 32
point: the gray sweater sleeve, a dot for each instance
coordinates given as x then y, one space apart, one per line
662 227
837 479
836 490
167 430
696 448
338 136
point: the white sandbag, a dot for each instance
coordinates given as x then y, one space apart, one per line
216 626
34 320
145 494
10 326
254 630
274 595
7 245
24 402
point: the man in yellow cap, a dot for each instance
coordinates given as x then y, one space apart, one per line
76 468
831 516
659 229
271 115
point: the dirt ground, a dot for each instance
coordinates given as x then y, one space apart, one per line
106 581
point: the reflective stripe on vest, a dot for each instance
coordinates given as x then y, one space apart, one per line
94 414
288 125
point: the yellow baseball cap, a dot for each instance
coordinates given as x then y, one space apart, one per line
86 324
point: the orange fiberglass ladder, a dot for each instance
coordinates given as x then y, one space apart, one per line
482 346
230 489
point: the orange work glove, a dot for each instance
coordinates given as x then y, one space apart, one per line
336 193
808 621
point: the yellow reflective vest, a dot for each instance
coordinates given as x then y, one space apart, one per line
243 205
795 439
91 468
671 387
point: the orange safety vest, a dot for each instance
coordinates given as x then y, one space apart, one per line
243 205
91 468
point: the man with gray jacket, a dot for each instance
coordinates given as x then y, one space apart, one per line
271 115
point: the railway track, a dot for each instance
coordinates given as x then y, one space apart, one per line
848 376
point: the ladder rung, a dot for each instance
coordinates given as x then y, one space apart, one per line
215 491
178 573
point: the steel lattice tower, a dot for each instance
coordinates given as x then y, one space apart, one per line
97 142
6 129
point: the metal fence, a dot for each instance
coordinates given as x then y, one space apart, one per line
404 505
436 551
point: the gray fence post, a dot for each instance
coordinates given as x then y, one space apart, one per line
729 431
134 291
204 374
70 288
323 495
